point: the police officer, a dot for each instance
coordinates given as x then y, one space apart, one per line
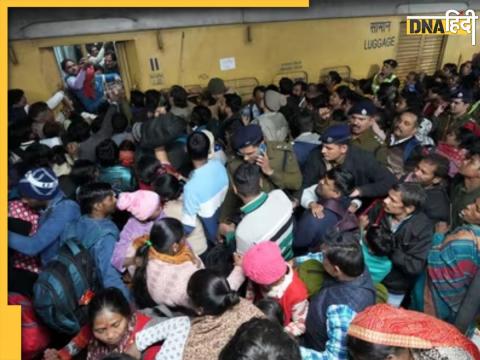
457 116
361 120
386 75
277 161
371 178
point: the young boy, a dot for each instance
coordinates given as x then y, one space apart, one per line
97 232
206 188
347 282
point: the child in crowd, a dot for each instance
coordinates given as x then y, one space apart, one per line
146 208
272 277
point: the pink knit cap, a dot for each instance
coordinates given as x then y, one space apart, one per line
142 203
263 263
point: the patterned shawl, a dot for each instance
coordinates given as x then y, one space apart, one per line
385 325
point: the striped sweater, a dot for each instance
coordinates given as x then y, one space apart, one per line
268 217
452 264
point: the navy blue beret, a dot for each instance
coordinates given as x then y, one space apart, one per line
337 134
364 107
463 94
247 135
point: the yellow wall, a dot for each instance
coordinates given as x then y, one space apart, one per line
191 55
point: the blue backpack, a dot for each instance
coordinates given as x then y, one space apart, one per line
66 285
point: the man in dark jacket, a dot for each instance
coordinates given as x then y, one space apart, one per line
402 214
432 174
404 150
371 179
231 110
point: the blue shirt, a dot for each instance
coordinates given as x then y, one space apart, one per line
203 195
45 242
104 235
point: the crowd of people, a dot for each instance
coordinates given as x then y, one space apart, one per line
338 220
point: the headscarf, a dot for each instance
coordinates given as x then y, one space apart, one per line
384 324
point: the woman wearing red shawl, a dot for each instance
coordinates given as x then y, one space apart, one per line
383 332
112 327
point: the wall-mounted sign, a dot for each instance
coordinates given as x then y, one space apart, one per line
292 65
227 64
154 64
156 79
379 43
378 27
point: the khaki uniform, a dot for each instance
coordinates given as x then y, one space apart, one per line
371 142
286 175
